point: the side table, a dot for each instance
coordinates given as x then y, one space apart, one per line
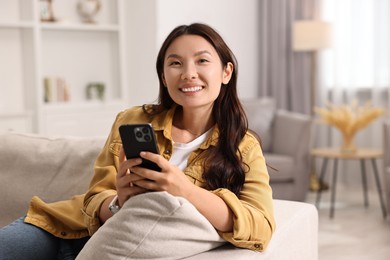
362 155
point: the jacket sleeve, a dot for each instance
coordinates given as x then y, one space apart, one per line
253 209
102 184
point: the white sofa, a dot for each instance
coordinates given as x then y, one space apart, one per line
57 168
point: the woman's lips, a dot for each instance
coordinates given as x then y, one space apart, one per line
191 89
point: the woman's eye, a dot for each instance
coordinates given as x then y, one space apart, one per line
174 63
203 61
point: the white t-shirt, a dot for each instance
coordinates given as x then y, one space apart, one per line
181 151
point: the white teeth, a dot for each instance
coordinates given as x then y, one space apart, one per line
192 89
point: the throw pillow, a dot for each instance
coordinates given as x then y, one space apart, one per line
153 225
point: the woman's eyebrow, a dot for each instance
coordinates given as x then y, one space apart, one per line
202 52
175 56
198 53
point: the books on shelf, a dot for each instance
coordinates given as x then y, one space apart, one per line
56 90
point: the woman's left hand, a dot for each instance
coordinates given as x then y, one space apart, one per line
170 179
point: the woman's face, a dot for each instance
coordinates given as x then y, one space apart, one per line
193 72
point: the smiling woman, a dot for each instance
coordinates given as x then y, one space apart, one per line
213 181
192 66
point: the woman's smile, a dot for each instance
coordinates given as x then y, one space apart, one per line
191 89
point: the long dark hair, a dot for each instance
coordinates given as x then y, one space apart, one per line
223 166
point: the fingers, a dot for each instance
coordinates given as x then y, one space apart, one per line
140 179
147 173
129 179
126 182
129 192
156 158
153 180
126 166
123 164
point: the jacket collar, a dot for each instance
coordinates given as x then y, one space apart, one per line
163 122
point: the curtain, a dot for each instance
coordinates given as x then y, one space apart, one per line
357 68
284 75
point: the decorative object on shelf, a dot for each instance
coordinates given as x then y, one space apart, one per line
46 11
88 9
349 119
55 90
95 91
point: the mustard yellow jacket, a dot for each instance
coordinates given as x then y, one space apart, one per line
78 217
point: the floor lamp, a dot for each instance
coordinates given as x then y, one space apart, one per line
312 36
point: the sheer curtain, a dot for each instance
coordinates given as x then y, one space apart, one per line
284 75
357 67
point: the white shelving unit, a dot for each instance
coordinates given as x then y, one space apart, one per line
78 52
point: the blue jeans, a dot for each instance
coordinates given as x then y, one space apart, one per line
21 240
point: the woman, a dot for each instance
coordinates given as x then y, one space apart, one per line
208 158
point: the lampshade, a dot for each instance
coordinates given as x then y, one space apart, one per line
311 35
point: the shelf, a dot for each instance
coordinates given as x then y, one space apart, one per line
66 51
24 114
80 27
17 25
71 107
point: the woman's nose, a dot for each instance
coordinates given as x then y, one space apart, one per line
189 72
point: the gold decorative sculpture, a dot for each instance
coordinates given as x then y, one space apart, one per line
349 119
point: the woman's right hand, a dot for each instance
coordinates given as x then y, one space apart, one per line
125 179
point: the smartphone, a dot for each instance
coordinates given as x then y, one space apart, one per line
137 138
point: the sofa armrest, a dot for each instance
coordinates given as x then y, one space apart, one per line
295 237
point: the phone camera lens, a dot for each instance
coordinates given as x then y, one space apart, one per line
145 130
147 137
138 134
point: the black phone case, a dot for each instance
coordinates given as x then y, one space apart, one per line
137 138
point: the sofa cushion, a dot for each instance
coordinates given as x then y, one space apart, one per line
289 129
51 168
260 113
283 167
